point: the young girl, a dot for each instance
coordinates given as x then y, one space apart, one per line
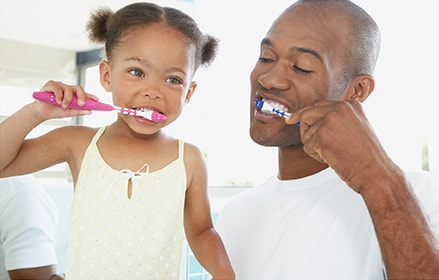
135 186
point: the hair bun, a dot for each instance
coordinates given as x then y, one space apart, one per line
97 25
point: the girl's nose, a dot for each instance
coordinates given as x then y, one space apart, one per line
151 93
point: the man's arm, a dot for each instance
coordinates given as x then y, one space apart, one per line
407 242
339 134
36 273
28 228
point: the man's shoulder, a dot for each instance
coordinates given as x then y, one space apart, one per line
421 175
248 196
423 181
424 184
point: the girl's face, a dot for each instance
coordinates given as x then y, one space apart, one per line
152 67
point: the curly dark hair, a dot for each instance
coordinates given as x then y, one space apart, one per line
105 26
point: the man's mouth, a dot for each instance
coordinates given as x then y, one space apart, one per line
270 104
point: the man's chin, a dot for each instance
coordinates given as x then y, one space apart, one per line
268 139
264 140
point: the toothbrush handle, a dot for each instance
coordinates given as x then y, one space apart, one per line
90 104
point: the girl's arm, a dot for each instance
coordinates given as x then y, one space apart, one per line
203 239
19 156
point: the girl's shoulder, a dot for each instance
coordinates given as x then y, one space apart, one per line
74 131
72 135
194 158
192 150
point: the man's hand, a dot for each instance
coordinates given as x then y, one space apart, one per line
339 134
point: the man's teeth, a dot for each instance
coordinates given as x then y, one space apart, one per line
275 105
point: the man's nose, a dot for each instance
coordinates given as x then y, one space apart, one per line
275 78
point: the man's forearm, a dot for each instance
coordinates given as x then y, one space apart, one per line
408 245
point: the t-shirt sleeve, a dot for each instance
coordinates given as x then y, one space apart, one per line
28 228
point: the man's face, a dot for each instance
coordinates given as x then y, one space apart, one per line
298 65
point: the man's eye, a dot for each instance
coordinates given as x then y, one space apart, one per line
265 59
136 72
301 70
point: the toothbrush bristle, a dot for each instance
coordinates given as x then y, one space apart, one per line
259 104
151 115
264 106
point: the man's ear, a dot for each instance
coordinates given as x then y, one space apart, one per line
105 75
190 92
360 88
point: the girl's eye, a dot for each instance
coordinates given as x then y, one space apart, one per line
174 80
136 72
301 70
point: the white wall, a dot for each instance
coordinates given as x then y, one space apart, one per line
29 65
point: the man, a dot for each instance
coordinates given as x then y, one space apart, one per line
28 218
339 207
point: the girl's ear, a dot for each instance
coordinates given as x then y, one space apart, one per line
360 88
105 75
190 92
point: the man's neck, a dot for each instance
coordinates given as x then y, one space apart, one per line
294 163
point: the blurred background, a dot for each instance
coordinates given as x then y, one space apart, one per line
46 39
41 40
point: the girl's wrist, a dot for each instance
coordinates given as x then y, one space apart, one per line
37 112
224 273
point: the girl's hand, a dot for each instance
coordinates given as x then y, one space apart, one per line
64 94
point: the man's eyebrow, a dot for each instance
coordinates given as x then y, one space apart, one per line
266 41
312 52
309 51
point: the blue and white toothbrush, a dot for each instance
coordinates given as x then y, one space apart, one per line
264 106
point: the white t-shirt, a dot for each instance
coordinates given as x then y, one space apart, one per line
28 219
310 228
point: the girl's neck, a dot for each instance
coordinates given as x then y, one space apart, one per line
122 129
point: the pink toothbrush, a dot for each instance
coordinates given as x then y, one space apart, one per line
90 104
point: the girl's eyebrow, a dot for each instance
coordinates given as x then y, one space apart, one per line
176 69
139 60
312 52
147 64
